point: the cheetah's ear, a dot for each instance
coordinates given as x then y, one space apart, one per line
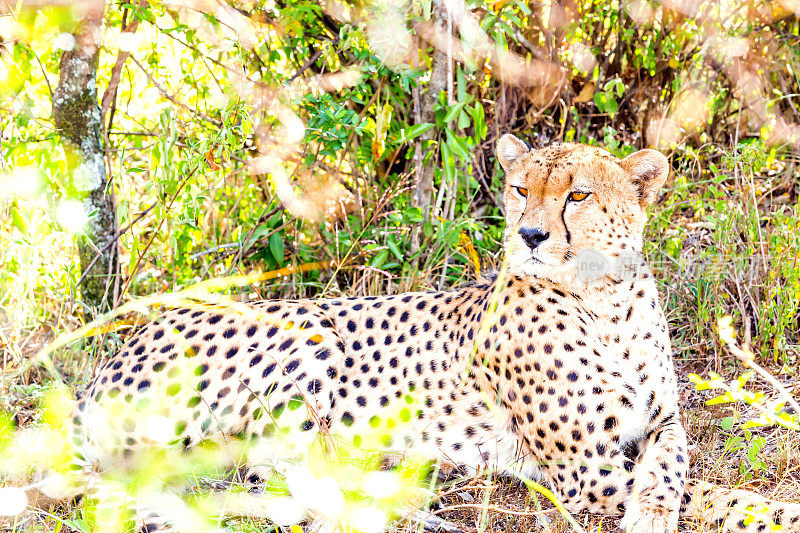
649 170
509 150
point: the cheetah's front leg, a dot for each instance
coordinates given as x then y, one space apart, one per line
659 478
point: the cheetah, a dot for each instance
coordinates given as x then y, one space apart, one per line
557 367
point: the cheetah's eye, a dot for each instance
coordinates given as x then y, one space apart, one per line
522 191
578 196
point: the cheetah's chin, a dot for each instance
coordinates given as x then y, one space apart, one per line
536 268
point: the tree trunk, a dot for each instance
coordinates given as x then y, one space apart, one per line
437 84
77 116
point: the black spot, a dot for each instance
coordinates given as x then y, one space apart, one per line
285 345
609 491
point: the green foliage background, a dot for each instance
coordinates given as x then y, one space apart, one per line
251 136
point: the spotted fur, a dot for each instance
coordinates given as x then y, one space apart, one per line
544 369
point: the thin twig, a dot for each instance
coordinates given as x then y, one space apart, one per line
306 66
112 241
113 83
215 249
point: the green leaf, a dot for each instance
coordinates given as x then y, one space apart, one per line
479 120
457 145
606 103
727 423
448 163
620 88
453 112
18 220
276 248
259 232
412 132
379 259
733 443
461 84
395 250
755 447
463 120
413 214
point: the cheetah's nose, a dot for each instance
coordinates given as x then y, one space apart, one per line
533 237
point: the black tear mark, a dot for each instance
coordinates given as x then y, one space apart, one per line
569 235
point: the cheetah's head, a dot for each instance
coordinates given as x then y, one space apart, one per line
573 210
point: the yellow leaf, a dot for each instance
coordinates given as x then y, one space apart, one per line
210 160
586 94
382 121
466 242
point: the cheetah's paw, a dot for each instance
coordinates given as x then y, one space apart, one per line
649 521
